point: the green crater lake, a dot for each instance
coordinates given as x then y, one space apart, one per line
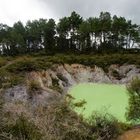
102 98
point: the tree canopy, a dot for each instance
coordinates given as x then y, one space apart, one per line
105 33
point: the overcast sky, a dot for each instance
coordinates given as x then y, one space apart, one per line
23 10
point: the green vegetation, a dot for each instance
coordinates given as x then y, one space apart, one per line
101 34
9 79
116 74
19 128
133 113
42 43
105 126
23 129
37 63
33 87
55 85
15 69
57 122
27 64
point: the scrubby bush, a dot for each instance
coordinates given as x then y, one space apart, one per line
134 86
63 123
22 129
17 128
28 65
4 129
55 85
57 122
134 100
33 87
8 80
25 130
104 126
116 74
22 65
3 61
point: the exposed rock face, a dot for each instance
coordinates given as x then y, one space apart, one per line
18 93
60 78
99 76
124 73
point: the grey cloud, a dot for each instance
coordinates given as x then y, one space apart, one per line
33 9
87 8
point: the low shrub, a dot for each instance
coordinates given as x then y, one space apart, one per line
63 123
116 74
134 86
28 65
57 121
55 85
25 130
56 88
104 126
3 61
133 113
33 87
8 80
23 66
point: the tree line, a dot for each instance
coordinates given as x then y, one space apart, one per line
105 33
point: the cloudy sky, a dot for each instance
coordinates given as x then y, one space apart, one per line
23 10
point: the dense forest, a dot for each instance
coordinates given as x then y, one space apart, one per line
105 33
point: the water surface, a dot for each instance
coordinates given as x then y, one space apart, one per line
103 98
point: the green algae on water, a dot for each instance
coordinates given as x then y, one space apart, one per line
109 98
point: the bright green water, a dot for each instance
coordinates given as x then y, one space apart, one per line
102 98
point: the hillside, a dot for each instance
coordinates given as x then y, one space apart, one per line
33 90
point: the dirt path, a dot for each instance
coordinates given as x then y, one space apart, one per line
131 135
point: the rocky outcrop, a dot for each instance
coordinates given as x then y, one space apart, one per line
123 74
59 78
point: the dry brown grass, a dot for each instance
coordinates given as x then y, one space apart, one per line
56 122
